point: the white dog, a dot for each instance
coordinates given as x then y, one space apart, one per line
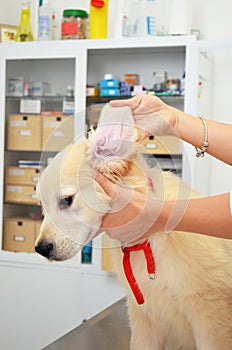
186 304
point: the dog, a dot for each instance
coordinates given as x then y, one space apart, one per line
186 304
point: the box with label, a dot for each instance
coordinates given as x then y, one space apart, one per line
162 145
30 106
19 234
20 194
57 132
21 176
111 83
24 132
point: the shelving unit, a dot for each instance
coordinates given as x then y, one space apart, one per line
78 63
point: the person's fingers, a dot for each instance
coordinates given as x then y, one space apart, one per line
108 186
119 103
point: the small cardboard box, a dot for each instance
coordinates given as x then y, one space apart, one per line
21 194
57 132
19 234
24 132
162 145
21 176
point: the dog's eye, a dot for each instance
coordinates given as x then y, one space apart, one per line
65 202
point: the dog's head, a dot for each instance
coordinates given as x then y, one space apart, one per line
73 202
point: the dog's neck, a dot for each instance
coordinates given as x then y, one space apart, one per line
151 268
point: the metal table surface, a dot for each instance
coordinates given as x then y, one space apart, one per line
107 330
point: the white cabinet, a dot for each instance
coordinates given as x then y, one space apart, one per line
78 63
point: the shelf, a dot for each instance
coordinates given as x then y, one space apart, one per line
100 99
54 98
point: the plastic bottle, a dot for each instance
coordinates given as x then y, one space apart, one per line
45 20
98 19
24 30
139 18
182 84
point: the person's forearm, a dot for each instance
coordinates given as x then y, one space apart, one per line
191 129
210 216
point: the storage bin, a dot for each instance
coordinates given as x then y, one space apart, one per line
24 132
57 132
112 83
162 145
20 194
19 234
21 176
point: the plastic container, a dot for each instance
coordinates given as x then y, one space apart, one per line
45 20
98 19
74 24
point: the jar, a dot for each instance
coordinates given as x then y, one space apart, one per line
74 24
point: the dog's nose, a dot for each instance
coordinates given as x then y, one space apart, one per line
44 248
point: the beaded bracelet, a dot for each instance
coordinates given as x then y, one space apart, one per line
201 151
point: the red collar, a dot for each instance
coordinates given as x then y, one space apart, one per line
145 246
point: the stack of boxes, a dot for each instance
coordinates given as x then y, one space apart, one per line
30 133
20 233
109 86
39 132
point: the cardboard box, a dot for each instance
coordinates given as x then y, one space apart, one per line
19 234
24 132
20 194
21 176
162 145
57 132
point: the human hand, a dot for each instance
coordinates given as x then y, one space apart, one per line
151 115
133 216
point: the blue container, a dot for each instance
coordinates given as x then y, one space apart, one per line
112 83
86 254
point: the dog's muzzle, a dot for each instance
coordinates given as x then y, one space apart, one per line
44 248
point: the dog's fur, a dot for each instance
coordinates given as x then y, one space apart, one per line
189 304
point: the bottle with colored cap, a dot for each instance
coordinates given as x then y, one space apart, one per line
24 30
98 19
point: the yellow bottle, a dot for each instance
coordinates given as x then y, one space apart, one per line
98 19
24 31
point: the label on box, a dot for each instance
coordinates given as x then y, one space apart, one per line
15 189
25 132
35 178
18 123
19 238
17 172
51 125
58 133
151 145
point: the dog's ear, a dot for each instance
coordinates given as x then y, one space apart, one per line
115 137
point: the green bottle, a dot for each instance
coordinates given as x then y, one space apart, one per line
24 31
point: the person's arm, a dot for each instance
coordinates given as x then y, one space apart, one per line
155 117
191 129
208 215
140 217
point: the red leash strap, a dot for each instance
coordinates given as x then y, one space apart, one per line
145 246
